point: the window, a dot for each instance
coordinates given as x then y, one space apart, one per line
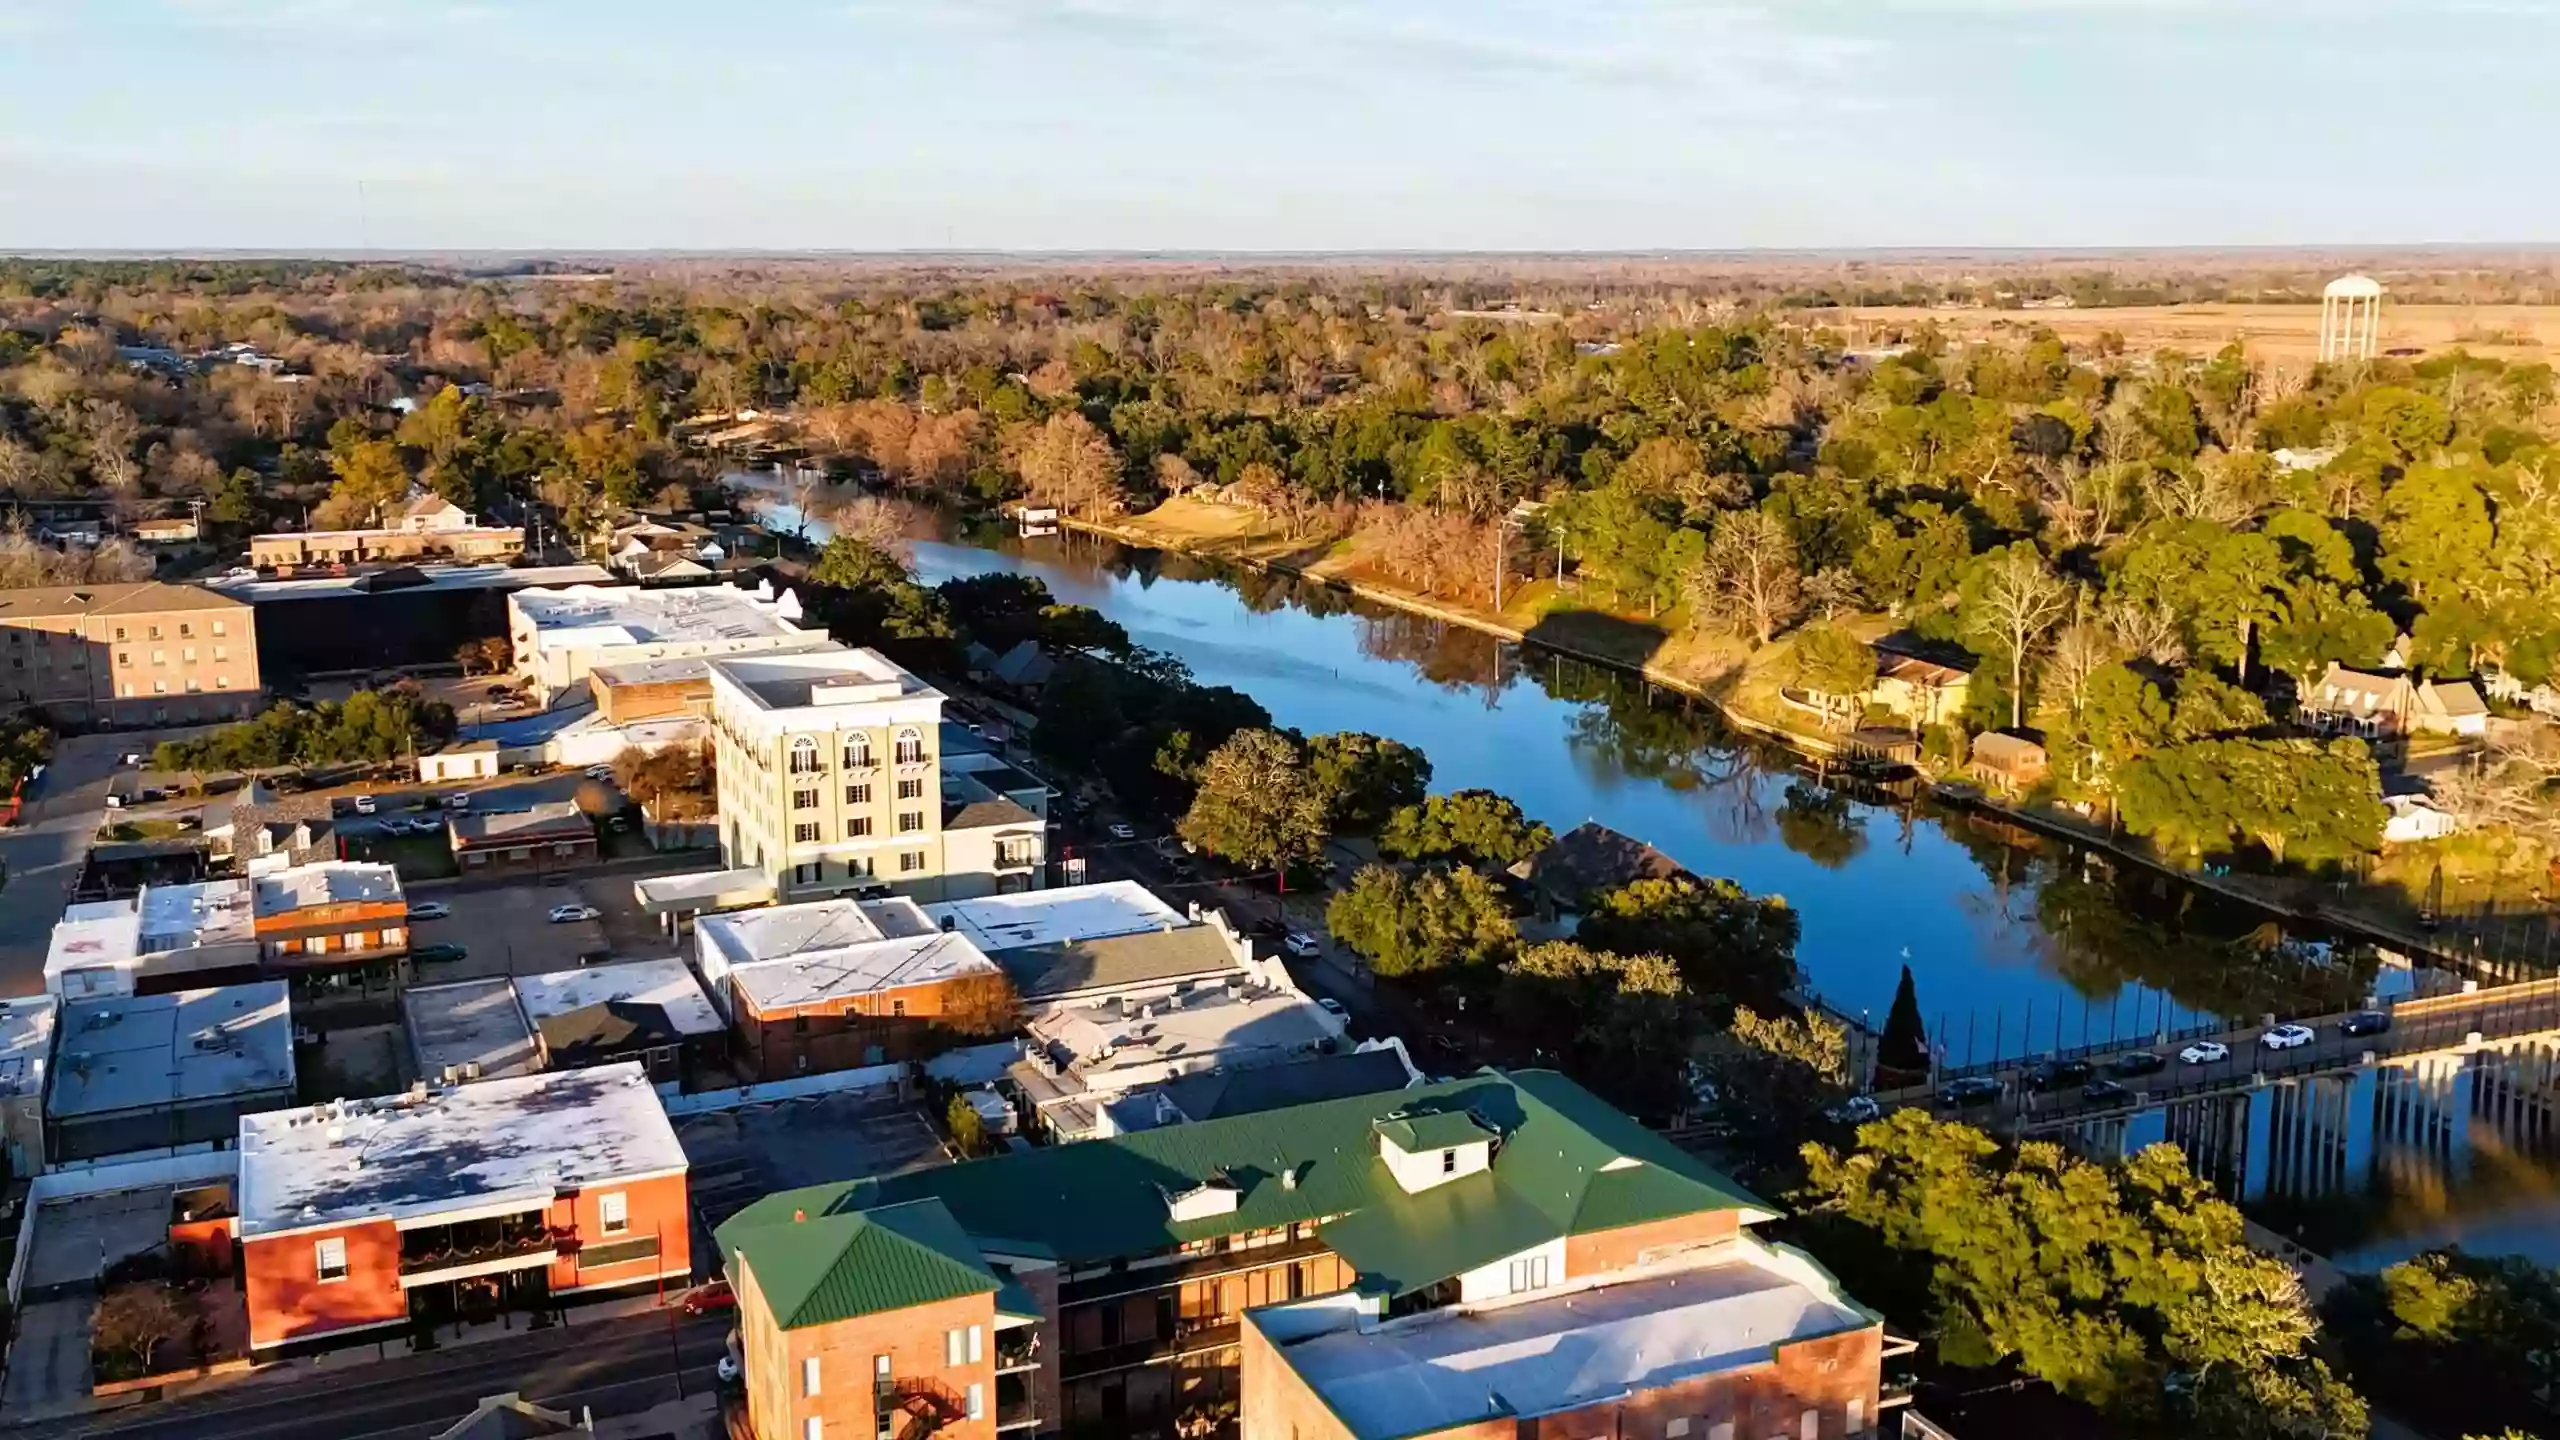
1448 1162
857 751
884 1397
124 657
1013 853
814 1428
977 1402
804 756
1810 1427
186 631
899 1007
221 652
332 1257
808 1376
194 685
859 868
159 657
155 632
910 789
951 1351
977 1344
804 799
910 747
221 627
1676 1427
910 821
1721 1430
855 829
857 794
221 682
1529 1272
615 1210
1857 1416
804 834
911 862
119 632
159 687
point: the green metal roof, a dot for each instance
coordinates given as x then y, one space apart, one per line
1566 1164
1415 1131
831 1267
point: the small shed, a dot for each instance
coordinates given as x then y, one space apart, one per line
2011 762
468 760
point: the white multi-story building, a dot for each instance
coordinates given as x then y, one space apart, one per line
561 635
831 781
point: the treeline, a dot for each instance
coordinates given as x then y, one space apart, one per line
368 726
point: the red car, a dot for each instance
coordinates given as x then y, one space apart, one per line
706 1299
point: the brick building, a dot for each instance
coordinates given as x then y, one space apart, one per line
556 836
427 527
1116 1274
362 1215
837 984
146 654
333 914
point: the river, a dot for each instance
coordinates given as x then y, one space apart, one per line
2017 945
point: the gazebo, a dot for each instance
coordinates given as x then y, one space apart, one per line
2350 318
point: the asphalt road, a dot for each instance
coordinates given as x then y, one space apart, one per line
615 1366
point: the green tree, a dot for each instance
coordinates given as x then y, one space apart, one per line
1365 779
2460 1340
968 1132
2300 799
1905 1046
1412 925
371 479
1727 941
1257 802
1620 1018
1835 667
1477 827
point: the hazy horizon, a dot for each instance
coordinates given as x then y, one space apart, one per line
1292 128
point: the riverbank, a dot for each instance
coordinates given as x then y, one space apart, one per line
1741 688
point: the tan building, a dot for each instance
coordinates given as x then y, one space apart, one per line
428 527
562 635
137 654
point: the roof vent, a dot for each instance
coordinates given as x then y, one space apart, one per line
1289 1178
799 1216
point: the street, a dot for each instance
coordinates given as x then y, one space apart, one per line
616 1366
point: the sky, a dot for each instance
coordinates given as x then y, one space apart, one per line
1272 125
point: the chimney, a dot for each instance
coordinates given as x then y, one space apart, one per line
950 923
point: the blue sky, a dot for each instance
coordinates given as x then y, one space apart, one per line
1273 124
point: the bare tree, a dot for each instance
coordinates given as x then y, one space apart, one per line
1833 591
2085 502
111 431
2214 489
1748 580
2019 599
2150 631
1067 463
137 1317
881 522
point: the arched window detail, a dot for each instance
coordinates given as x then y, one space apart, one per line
804 756
910 747
857 751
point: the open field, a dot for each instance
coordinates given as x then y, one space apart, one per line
2271 332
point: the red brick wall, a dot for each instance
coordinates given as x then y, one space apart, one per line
1822 1375
656 1207
280 1279
1277 1404
1607 1250
839 1035
845 1351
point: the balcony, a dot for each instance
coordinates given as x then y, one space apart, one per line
1142 1279
1189 1337
1017 1349
477 1247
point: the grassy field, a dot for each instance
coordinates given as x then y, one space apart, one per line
2271 332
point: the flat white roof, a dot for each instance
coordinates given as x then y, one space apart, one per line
821 680
683 668
519 1140
747 936
465 1023
704 887
96 934
129 1052
1546 1355
667 984
586 617
328 882
26 1044
823 976
183 917
438 577
1058 917
1113 1046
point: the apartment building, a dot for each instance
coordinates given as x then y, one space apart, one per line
146 654
427 527
330 914
562 634
1103 1288
361 1215
829 776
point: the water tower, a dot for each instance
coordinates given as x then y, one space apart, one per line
2350 318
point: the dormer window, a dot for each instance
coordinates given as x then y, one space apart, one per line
1424 1149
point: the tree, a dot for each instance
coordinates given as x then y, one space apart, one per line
2467 1340
488 655
2128 1287
371 479
2301 799
968 1132
1477 827
1905 1046
1069 464
1257 803
1365 779
1414 925
1836 668
982 1005
1748 578
2011 599
136 1317
1728 941
1621 1018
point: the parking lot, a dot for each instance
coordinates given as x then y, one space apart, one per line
509 931
742 1155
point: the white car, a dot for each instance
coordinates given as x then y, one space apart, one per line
1301 945
1123 830
458 800
730 1369
430 910
572 914
1856 1110
365 805
2204 1052
599 772
2287 1037
1332 1007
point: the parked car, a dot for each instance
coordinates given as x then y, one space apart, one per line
709 1299
132 757
2287 1037
431 953
429 910
572 914
2049 1075
2135 1063
599 772
2106 1092
2366 1022
2205 1052
365 805
1970 1091
458 800
1332 1007
1123 830
1856 1110
1301 945
499 692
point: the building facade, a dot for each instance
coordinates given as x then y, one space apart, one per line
506 1194
128 655
334 913
562 634
427 527
1122 1271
